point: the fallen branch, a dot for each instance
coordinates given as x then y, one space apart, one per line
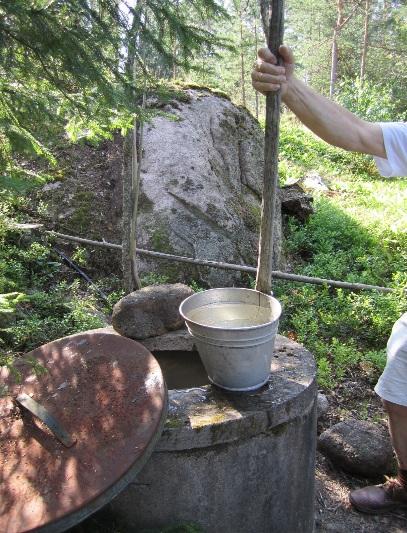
277 274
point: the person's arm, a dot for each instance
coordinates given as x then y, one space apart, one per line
331 122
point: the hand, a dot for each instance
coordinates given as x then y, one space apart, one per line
268 76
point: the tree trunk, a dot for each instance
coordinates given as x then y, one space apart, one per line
131 180
135 187
131 186
174 64
334 56
365 43
126 214
334 63
175 49
386 9
256 45
242 73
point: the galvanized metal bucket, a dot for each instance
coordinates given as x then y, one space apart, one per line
236 357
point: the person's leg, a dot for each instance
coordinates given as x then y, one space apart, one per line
398 430
392 388
392 494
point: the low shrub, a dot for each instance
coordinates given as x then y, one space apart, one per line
356 234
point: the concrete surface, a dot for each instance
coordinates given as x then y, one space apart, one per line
234 463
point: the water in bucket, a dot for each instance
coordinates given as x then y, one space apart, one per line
231 315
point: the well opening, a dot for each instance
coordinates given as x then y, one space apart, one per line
181 369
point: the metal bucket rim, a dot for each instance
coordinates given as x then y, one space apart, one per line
243 328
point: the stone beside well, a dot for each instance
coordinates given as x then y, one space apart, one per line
359 447
232 462
150 311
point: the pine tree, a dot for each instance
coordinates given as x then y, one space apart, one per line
66 64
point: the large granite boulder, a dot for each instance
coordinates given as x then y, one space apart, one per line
201 185
200 193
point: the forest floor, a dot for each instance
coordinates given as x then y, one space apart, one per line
333 512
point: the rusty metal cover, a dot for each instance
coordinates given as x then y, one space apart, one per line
108 394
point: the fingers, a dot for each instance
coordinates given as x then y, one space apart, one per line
265 83
267 75
285 51
265 88
266 55
262 77
266 68
287 54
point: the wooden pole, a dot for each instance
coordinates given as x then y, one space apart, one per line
127 209
277 274
256 46
270 186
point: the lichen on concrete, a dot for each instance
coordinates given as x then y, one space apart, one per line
209 415
173 422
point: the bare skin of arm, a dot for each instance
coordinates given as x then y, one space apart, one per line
331 122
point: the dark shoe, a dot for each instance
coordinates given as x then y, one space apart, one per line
379 498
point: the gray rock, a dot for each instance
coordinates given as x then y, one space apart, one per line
313 181
66 214
358 447
150 311
322 404
51 186
200 190
296 202
201 186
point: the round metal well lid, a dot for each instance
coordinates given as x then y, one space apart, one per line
108 395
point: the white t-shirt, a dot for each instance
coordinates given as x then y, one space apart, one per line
395 143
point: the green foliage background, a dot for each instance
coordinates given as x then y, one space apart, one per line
357 234
75 72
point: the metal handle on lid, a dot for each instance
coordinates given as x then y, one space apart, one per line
40 412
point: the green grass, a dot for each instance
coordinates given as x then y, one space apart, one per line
40 300
358 233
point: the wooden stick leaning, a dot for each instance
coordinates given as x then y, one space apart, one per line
270 186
